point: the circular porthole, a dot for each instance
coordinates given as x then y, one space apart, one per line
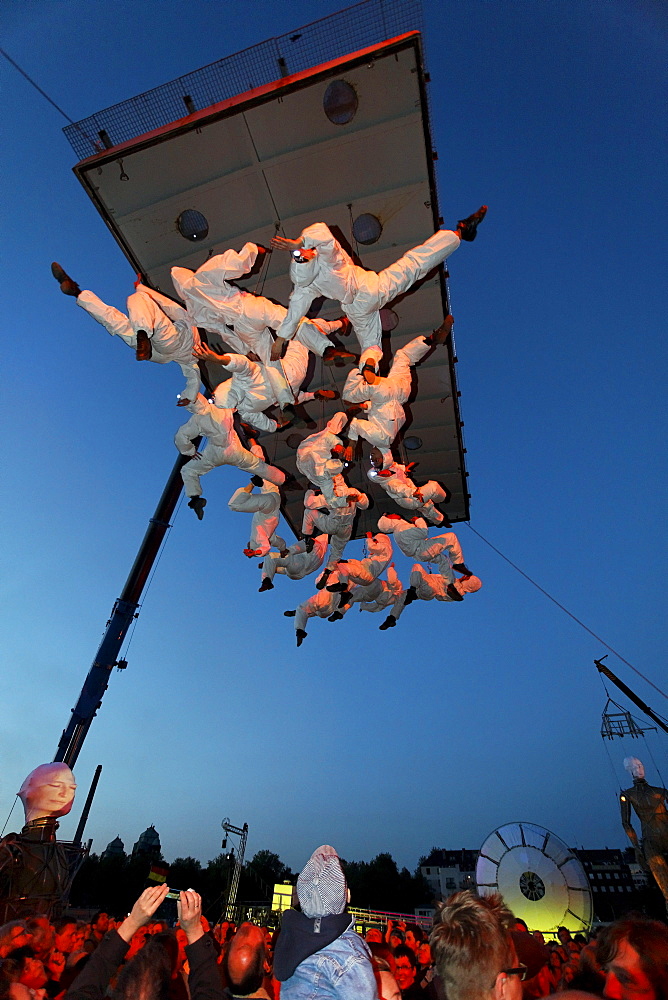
388 320
367 228
413 443
340 102
192 225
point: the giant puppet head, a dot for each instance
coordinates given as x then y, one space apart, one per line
635 768
48 791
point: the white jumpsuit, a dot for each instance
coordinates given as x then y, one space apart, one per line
165 322
432 586
223 447
337 523
412 539
265 507
298 563
315 461
242 319
384 402
365 571
362 294
323 604
401 488
254 387
376 596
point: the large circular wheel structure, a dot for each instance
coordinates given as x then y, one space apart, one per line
539 878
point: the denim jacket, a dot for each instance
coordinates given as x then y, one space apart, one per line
340 971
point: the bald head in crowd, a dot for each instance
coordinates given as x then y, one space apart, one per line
247 963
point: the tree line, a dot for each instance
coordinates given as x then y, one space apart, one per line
113 883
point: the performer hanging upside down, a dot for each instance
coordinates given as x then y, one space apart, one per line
362 571
243 319
265 507
378 595
443 550
223 448
156 328
337 522
300 560
254 387
428 587
320 266
398 485
382 399
321 605
320 459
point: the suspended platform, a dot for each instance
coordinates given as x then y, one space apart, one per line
346 142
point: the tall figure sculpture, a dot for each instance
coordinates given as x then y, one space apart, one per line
36 870
649 805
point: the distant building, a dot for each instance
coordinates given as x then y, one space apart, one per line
148 844
114 849
615 891
618 883
446 872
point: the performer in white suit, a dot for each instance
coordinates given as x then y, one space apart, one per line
379 595
244 320
395 480
321 605
223 448
320 459
255 387
265 507
428 587
300 560
412 538
155 327
320 266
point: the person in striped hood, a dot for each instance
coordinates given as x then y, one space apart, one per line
318 953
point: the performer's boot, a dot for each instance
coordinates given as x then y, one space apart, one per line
468 228
266 585
197 504
389 622
441 335
337 356
67 286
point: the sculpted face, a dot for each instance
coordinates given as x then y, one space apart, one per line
48 791
635 767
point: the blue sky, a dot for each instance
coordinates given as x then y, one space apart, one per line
465 717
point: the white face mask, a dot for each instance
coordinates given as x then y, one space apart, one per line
635 767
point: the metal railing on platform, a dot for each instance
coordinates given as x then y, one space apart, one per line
356 27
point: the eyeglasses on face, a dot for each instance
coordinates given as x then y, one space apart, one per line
520 971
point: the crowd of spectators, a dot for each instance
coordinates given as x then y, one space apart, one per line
142 958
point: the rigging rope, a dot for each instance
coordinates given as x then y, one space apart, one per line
30 80
36 86
9 816
566 611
